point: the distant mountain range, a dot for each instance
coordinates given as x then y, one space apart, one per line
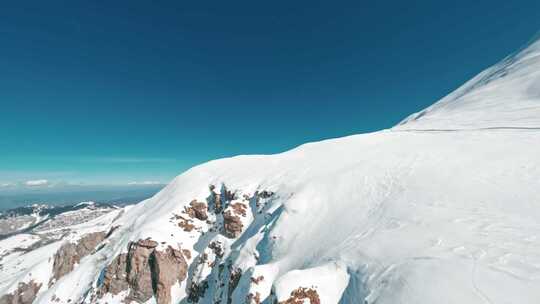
73 194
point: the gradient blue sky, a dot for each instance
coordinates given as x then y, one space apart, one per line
102 92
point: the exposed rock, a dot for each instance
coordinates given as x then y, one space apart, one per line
196 210
232 225
186 253
168 267
216 248
219 200
139 274
216 198
234 279
196 291
229 195
257 280
264 194
112 230
239 209
115 277
299 295
145 271
253 298
185 223
70 254
24 294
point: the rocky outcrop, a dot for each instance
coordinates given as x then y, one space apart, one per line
232 225
196 291
218 200
216 248
253 298
71 253
149 269
239 209
115 277
197 210
145 271
300 295
185 223
168 267
257 280
139 274
234 279
24 294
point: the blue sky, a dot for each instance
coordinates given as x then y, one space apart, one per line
101 93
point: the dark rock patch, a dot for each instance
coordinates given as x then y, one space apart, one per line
232 225
196 291
234 279
24 294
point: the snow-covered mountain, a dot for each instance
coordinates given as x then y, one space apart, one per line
504 96
443 208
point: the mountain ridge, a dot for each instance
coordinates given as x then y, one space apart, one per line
502 96
368 218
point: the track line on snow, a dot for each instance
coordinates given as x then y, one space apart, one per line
473 280
464 130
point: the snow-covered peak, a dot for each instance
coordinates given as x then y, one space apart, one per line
380 218
506 95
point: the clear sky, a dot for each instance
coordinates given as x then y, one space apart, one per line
112 92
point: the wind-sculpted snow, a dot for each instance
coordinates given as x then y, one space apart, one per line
420 217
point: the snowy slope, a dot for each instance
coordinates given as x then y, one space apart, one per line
506 95
460 210
444 208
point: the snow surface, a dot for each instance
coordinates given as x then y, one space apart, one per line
506 95
444 208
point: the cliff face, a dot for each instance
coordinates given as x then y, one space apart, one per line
71 254
145 272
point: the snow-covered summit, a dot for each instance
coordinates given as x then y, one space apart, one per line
506 95
386 217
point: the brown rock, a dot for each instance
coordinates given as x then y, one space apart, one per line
232 226
253 299
70 254
168 267
146 272
115 277
299 295
186 253
24 294
186 224
239 209
139 276
196 210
